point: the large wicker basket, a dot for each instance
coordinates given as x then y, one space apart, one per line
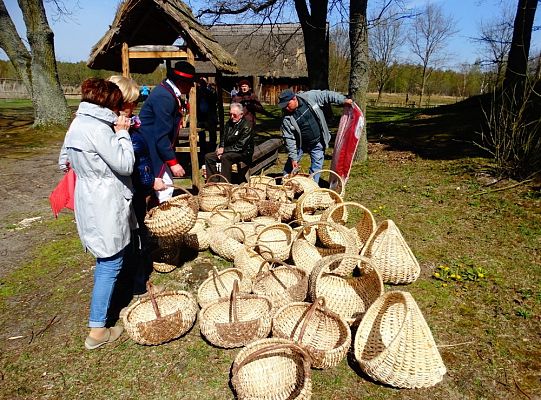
173 217
347 293
214 194
323 333
276 237
391 255
159 318
394 345
236 320
272 369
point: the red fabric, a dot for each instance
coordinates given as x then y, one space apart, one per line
62 195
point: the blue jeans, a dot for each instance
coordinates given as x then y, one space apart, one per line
105 275
317 155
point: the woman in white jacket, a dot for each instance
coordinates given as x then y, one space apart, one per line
100 151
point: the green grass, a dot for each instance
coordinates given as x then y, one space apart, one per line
487 329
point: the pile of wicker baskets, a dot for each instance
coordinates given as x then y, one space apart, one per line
306 266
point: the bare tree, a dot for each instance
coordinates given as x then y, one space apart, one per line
495 40
385 38
37 67
339 59
428 37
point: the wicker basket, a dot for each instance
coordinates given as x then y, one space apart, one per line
335 179
272 369
260 181
223 217
311 204
223 243
362 228
159 318
391 255
244 202
394 345
323 333
347 294
165 259
281 282
249 261
237 320
283 192
214 194
302 182
220 284
278 238
305 254
281 210
173 217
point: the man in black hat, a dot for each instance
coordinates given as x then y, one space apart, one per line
304 128
161 119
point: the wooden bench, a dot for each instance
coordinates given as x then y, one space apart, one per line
265 154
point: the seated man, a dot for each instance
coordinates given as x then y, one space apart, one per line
236 144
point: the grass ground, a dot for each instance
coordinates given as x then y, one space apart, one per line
478 241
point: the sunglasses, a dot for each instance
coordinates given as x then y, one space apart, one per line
235 115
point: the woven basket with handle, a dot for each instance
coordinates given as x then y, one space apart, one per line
347 293
277 237
391 255
214 194
302 182
323 333
220 284
244 202
394 344
236 320
272 369
223 242
281 282
159 318
173 217
311 204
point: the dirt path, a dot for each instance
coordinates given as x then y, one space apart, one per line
25 184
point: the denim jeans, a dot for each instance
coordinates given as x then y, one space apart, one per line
317 155
105 276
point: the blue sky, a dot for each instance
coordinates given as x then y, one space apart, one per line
75 37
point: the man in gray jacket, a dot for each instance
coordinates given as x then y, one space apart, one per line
304 128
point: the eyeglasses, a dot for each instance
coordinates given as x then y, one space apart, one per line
235 115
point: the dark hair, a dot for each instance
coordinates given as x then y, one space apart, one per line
102 93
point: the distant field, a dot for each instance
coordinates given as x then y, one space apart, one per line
399 100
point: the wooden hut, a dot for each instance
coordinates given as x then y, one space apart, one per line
146 32
271 57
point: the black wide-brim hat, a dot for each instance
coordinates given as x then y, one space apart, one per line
182 70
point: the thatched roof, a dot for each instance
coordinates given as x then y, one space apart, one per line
156 22
264 50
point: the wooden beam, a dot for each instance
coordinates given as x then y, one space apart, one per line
158 54
125 60
196 181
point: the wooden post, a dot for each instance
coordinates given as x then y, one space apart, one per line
125 60
193 129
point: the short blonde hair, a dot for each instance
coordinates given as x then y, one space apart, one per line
128 87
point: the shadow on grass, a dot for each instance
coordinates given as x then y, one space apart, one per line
445 132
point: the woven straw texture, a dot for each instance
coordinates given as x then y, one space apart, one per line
173 217
196 238
280 192
276 237
391 255
223 217
347 293
214 194
301 182
281 210
237 320
222 243
281 282
244 201
272 369
323 333
394 345
220 284
249 261
311 204
342 214
177 309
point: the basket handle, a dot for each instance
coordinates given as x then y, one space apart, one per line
216 276
247 197
153 300
319 303
292 346
209 179
272 262
237 227
233 315
342 186
303 198
284 227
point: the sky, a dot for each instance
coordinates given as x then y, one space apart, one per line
75 36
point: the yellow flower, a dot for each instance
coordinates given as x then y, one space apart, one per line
444 284
446 269
458 277
453 276
481 275
441 267
437 274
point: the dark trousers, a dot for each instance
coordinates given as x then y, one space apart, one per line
227 160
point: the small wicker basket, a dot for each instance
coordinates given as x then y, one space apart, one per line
394 345
311 204
220 284
159 318
214 194
237 320
276 237
323 333
272 369
224 243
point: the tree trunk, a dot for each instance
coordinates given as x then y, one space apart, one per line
50 106
316 41
517 62
12 44
358 79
